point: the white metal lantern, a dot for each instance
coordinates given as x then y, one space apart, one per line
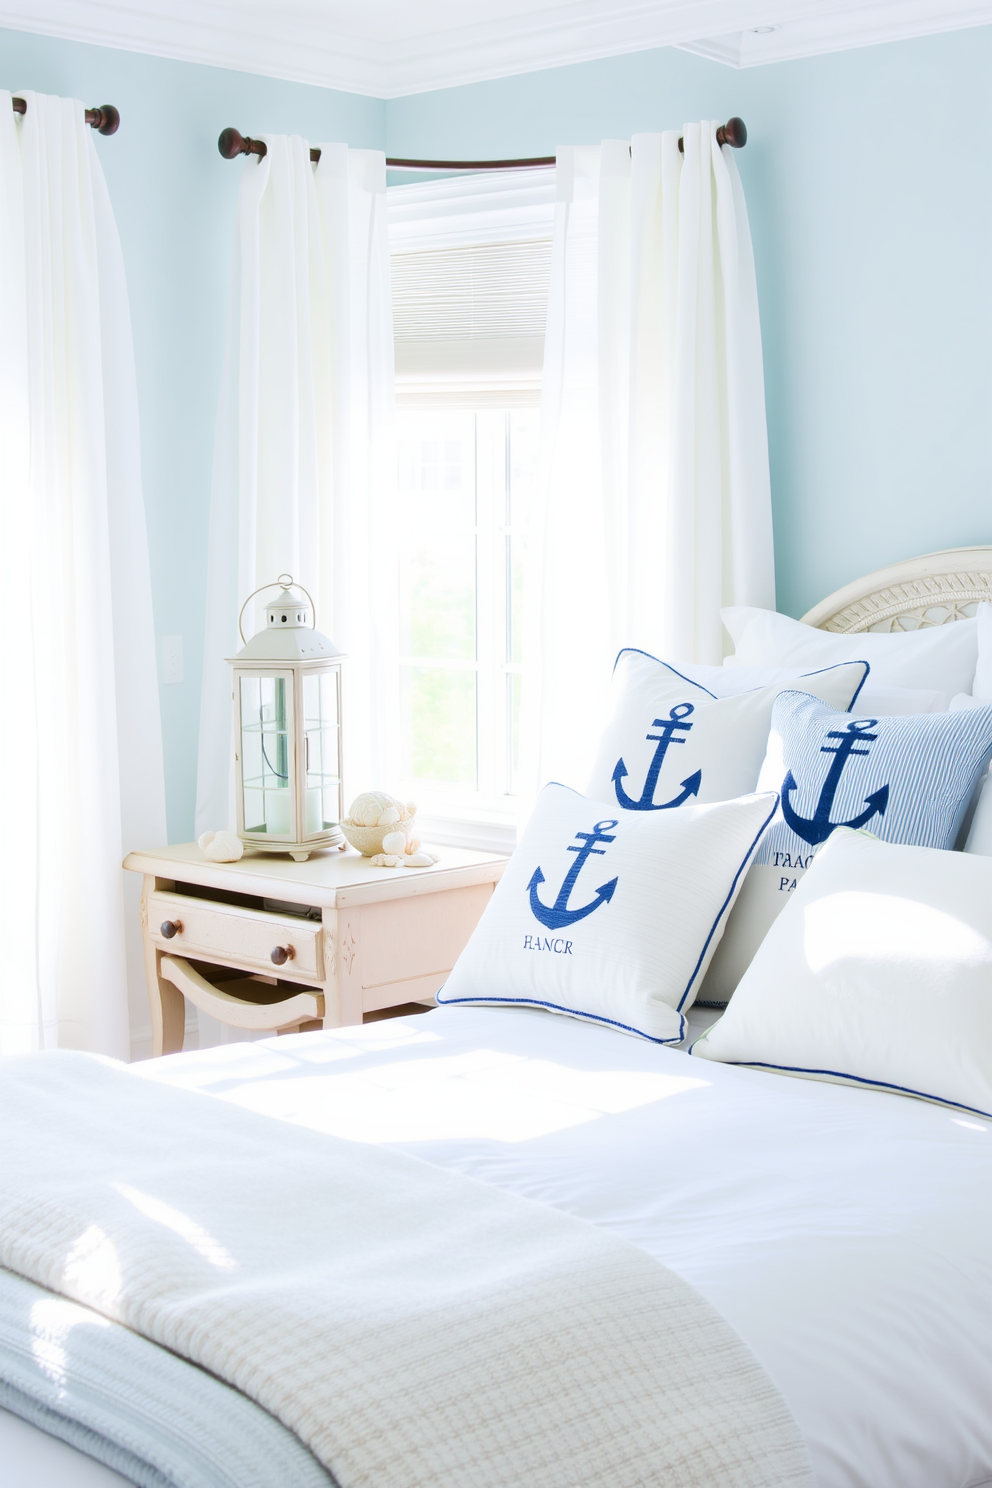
287 723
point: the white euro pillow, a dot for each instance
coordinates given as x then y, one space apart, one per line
668 740
939 658
610 916
729 680
982 688
979 838
878 973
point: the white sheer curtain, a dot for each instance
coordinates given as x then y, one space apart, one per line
658 507
302 457
80 746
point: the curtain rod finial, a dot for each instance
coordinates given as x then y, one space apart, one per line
231 144
105 119
733 133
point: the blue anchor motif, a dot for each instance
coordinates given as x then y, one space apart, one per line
817 828
559 914
690 786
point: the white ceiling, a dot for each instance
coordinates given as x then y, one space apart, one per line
388 48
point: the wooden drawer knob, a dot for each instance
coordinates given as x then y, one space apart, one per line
169 928
282 954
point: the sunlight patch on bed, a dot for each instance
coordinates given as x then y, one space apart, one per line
479 1093
92 1268
180 1224
886 927
221 1066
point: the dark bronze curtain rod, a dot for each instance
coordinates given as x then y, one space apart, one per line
104 120
231 144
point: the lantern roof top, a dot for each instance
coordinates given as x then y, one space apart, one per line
288 635
296 643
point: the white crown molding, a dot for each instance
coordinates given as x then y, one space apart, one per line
866 25
243 40
253 36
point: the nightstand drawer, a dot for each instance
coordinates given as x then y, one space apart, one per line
230 934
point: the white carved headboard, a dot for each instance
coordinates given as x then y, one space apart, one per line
920 592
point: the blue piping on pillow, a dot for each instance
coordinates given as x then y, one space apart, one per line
722 910
818 672
730 894
555 1007
797 1069
860 685
636 651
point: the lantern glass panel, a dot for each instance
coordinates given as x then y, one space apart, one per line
265 756
321 722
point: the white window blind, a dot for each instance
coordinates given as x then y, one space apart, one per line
471 263
494 290
471 312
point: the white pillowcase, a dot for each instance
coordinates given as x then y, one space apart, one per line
610 915
941 658
878 972
979 839
729 680
668 740
983 671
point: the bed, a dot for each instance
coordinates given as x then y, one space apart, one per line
844 1234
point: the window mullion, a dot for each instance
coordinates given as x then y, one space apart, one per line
489 489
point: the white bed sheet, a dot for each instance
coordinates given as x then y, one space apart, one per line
846 1234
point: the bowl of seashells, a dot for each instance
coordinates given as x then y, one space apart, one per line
381 828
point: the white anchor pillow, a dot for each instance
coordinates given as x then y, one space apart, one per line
670 740
610 916
906 779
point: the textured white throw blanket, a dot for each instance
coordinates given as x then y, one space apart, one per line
412 1326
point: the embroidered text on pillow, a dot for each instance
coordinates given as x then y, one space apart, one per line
904 778
611 916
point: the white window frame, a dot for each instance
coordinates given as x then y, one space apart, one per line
463 212
493 804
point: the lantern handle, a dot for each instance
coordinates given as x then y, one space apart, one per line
284 581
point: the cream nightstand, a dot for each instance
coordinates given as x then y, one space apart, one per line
266 943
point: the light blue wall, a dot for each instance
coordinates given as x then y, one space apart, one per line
869 188
870 192
174 199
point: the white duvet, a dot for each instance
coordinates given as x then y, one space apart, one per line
846 1234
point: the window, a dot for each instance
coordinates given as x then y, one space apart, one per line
471 262
464 484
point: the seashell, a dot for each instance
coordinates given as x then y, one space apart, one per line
220 847
388 817
413 845
420 860
367 809
387 860
394 842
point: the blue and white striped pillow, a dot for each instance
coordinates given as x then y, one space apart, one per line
906 779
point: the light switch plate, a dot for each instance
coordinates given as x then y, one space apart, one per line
172 659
